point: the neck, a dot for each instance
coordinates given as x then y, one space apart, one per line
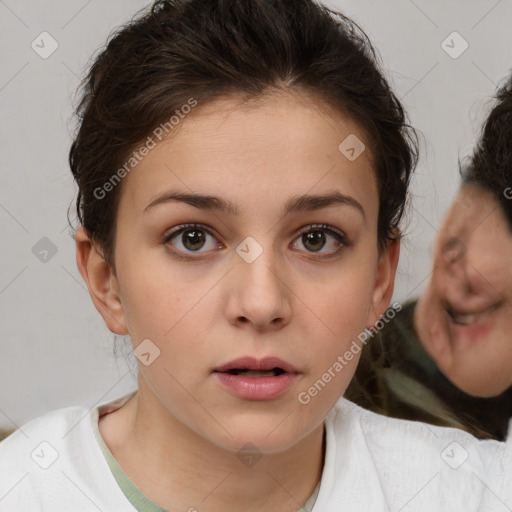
179 469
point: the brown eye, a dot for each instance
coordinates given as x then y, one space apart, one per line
192 239
321 239
314 241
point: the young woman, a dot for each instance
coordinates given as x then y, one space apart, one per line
242 170
447 357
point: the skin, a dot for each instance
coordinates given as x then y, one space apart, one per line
178 438
471 275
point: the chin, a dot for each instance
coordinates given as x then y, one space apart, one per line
479 389
258 443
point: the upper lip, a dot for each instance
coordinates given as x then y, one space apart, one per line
252 363
452 311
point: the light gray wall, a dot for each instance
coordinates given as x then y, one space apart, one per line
55 349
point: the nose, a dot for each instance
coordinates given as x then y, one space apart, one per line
259 295
461 281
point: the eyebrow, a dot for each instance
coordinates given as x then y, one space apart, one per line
295 204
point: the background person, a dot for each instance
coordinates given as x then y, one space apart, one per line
447 357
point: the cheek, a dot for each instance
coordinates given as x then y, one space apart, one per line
343 308
347 312
495 268
336 313
152 303
337 347
432 328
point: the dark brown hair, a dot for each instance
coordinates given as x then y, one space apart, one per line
206 49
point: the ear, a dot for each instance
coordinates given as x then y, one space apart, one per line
384 280
101 282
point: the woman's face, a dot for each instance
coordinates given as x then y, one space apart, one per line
464 318
248 235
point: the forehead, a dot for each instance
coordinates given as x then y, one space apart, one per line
472 205
475 213
259 151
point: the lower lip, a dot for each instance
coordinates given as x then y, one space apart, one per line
259 388
471 332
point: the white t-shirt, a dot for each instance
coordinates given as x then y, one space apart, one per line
55 464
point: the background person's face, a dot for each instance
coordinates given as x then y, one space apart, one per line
203 304
465 316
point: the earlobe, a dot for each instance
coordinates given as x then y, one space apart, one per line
384 280
101 282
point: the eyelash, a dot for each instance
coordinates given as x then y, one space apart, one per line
338 235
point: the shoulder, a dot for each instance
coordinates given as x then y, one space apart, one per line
403 460
54 462
28 455
54 426
382 431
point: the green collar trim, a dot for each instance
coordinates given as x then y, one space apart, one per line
138 499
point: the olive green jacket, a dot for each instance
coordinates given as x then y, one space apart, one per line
396 377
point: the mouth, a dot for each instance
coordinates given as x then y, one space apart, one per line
255 374
466 318
257 368
257 379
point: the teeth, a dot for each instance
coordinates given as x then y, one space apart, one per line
463 319
473 317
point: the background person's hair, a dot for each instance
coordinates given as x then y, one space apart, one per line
490 165
207 49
